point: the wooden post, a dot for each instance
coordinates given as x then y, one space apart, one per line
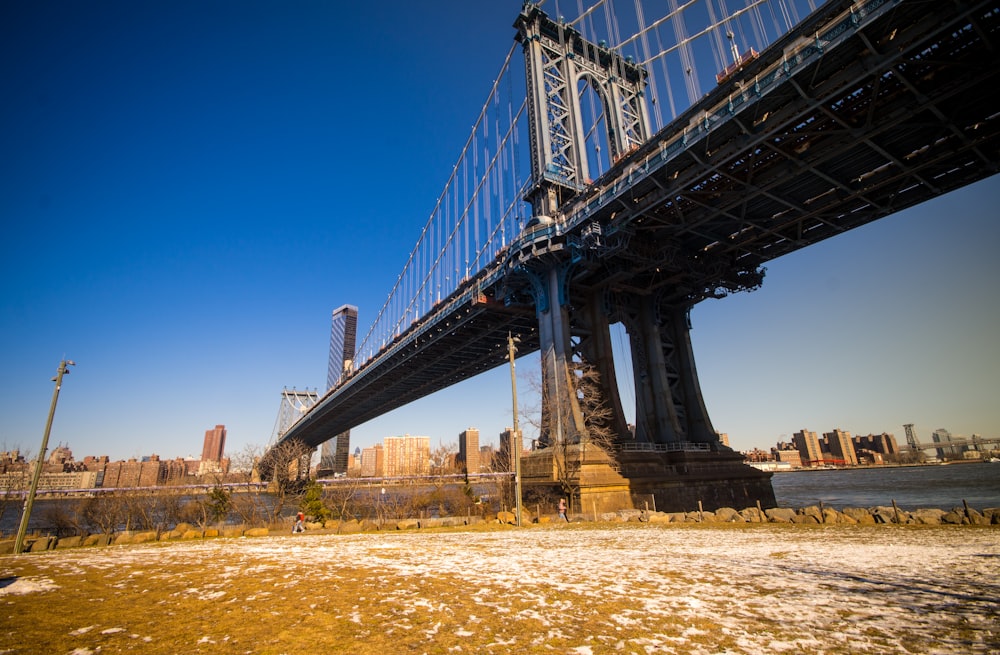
701 513
895 510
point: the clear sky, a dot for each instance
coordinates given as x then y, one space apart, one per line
187 189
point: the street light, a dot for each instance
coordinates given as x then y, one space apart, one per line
30 499
516 440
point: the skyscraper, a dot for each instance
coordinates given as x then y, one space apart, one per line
808 446
468 450
407 455
343 333
215 444
841 446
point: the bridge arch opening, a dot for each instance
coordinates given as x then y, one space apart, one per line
594 128
622 350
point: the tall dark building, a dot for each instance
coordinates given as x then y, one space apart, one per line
215 444
343 334
468 451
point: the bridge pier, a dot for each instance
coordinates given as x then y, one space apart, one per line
670 408
585 447
562 418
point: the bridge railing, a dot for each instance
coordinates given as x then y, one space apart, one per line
680 446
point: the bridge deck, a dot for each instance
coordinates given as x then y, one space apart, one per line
861 112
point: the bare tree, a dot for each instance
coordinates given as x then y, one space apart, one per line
344 498
15 479
443 459
250 500
104 512
570 447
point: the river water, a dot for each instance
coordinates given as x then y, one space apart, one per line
912 487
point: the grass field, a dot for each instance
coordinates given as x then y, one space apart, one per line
582 589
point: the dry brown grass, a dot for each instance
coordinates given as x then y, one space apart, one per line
561 589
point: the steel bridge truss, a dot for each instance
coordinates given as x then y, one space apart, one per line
557 60
864 110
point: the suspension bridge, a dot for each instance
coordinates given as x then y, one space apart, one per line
584 198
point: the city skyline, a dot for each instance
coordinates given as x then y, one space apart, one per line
189 193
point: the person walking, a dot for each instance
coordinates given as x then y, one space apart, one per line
300 523
562 509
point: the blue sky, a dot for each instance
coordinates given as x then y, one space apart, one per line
187 189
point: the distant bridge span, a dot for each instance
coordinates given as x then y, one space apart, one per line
863 110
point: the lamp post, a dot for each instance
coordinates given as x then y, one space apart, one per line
516 440
30 499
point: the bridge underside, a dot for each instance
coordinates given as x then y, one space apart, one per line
847 120
894 115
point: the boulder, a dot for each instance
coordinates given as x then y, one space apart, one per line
860 515
954 517
192 534
42 543
506 518
884 514
414 524
627 515
805 519
70 542
831 515
842 518
780 514
347 527
753 515
256 532
210 532
232 532
728 515
930 516
975 518
813 511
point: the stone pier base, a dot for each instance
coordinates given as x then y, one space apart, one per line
674 481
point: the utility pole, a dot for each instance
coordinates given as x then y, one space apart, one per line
29 501
516 440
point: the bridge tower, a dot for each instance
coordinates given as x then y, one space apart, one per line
557 61
294 405
673 431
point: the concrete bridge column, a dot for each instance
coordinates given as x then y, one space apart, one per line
656 419
677 329
562 419
597 352
669 405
